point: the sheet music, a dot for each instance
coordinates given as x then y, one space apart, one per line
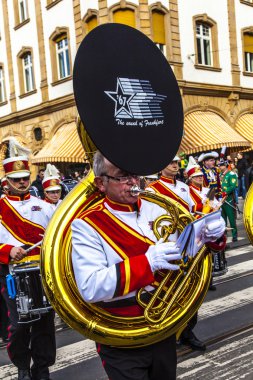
193 236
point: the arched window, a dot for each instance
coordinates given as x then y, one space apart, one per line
26 71
125 16
158 28
206 42
60 54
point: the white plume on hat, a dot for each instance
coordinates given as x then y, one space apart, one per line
193 169
16 149
223 151
16 166
51 180
51 171
192 163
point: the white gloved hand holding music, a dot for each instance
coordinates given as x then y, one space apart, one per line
214 230
161 254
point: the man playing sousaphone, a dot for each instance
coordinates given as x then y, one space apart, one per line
115 253
127 98
23 221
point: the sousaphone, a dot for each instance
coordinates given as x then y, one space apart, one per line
129 102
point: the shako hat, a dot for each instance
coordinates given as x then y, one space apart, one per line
16 166
128 98
205 156
193 169
51 180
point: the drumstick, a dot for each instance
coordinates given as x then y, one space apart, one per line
33 246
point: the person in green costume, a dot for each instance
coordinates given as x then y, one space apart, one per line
228 185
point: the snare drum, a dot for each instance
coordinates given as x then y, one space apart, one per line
30 297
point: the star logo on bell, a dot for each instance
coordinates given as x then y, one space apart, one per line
136 99
122 100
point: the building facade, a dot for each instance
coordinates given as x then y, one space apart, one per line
209 46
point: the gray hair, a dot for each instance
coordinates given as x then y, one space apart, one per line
99 164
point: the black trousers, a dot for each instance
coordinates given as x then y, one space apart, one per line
4 319
35 340
190 326
155 362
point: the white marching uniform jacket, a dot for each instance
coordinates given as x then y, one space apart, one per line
174 189
109 244
53 205
22 223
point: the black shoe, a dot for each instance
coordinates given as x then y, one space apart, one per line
24 374
212 287
192 341
235 239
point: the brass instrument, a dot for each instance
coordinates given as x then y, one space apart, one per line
176 296
248 213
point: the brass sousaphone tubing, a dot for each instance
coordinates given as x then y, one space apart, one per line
176 298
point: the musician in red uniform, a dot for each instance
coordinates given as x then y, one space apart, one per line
203 204
115 253
51 185
171 187
168 185
23 222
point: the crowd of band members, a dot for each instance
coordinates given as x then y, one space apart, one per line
171 180
239 165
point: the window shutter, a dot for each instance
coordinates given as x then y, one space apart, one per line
92 23
125 16
248 43
158 27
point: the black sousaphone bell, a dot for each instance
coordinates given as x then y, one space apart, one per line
128 99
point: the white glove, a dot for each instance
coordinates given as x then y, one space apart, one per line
215 230
160 255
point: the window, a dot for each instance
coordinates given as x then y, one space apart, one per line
2 85
158 30
62 54
204 46
91 23
124 16
248 51
22 7
37 134
59 42
28 72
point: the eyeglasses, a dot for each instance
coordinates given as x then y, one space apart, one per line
20 179
123 178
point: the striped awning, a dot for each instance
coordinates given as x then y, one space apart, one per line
65 146
244 126
205 130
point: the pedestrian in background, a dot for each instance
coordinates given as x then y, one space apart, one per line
38 183
249 176
241 166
